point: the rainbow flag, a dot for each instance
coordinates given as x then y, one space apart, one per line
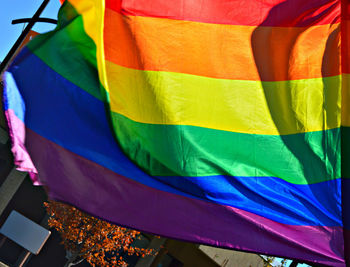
219 122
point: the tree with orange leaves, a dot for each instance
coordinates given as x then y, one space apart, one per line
92 239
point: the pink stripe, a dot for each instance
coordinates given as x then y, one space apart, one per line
105 194
17 134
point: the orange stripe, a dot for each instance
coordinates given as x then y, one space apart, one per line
222 51
345 106
346 46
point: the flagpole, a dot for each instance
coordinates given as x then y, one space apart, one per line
21 38
26 20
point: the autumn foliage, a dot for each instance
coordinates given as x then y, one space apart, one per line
86 237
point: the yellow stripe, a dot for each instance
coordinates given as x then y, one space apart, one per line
283 107
92 12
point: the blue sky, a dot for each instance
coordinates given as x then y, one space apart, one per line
17 9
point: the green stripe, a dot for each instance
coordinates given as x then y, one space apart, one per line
176 150
69 45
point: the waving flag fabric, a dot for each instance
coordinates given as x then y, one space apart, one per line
218 122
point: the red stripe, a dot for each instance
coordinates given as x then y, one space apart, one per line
345 38
296 13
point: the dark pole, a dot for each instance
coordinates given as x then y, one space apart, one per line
294 263
26 20
23 35
23 259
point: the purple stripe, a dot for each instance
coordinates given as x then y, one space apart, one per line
107 195
347 246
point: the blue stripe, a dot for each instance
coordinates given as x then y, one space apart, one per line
67 115
17 102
